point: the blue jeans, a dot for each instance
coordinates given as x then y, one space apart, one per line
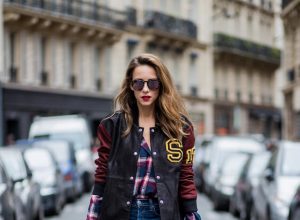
145 209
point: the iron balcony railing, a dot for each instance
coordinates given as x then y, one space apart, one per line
76 8
171 24
248 48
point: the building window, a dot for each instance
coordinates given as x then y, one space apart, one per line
251 97
44 77
270 5
72 75
238 85
193 75
97 68
216 93
107 69
226 94
250 87
238 96
193 10
13 71
175 70
131 46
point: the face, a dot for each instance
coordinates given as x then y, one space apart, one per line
145 86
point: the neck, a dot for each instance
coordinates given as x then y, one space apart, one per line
146 117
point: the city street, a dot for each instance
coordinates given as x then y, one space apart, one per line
77 210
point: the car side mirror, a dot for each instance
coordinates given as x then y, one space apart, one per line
269 174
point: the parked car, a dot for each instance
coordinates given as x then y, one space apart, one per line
222 147
74 128
64 153
294 212
273 196
25 187
8 209
201 160
46 171
241 201
227 178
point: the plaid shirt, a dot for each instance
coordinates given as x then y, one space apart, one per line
145 185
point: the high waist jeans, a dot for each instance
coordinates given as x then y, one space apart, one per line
144 209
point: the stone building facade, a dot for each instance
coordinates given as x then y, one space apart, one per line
291 66
66 57
245 62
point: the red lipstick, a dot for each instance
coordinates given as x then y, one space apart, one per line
146 98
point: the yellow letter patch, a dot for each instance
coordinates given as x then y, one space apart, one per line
174 150
190 155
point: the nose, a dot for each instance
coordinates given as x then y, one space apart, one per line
145 87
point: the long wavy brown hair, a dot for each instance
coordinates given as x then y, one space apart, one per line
169 107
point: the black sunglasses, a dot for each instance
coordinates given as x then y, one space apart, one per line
138 84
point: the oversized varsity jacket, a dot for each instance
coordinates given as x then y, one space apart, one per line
117 166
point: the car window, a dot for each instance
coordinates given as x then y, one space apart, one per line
14 164
59 149
78 139
38 159
290 163
258 164
233 164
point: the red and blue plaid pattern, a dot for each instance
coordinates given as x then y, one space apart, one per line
145 185
94 208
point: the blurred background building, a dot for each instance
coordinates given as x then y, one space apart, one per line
245 63
65 57
291 66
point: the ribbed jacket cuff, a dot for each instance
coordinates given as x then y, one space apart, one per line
189 205
98 189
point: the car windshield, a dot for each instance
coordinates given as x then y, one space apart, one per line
59 149
17 168
78 139
233 164
290 163
38 159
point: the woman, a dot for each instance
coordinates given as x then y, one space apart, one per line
144 168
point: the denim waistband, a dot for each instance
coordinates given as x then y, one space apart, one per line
149 201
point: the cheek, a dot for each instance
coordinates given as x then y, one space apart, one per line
155 95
